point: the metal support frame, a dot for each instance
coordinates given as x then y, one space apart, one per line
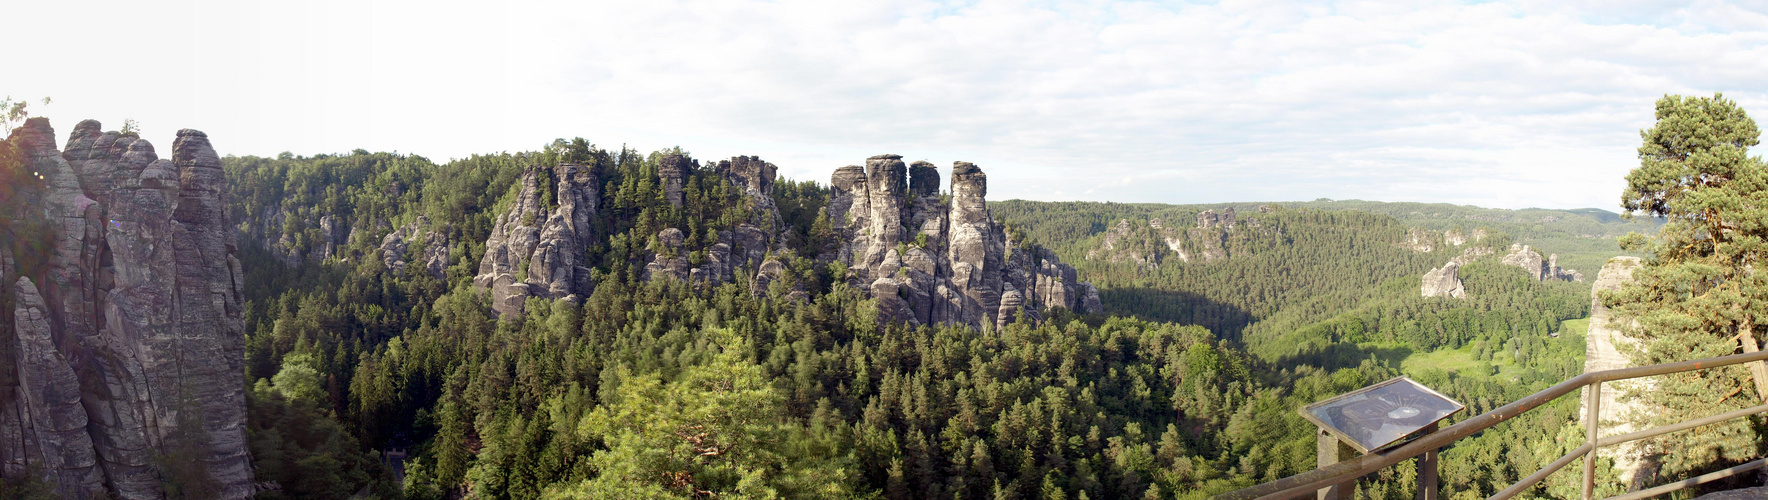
1337 473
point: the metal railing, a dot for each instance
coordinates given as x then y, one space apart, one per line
1307 483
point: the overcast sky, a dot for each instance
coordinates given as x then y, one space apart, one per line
1506 104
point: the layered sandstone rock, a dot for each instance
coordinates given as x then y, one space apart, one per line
1446 281
742 247
1541 269
395 248
536 247
928 262
1603 351
130 342
1150 246
673 170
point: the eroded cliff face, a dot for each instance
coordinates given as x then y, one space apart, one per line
1149 245
1446 281
931 262
127 343
536 247
1541 269
1604 351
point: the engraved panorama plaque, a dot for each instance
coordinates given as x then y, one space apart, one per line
1374 417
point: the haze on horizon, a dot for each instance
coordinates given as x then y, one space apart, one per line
1505 104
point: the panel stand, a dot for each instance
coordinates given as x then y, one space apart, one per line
1331 452
1427 470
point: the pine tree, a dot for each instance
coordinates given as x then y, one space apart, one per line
1698 296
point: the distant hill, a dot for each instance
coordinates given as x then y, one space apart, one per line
1584 238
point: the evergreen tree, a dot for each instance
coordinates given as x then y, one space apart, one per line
1698 295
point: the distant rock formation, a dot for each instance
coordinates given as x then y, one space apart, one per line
1542 270
927 262
674 171
1602 351
433 256
1208 241
130 343
1446 281
536 247
743 247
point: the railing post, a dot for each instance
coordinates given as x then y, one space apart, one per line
1592 421
1329 453
1427 471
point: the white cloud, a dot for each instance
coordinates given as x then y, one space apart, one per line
1508 104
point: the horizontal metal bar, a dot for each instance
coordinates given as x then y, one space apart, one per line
1659 431
1529 482
1704 478
1306 482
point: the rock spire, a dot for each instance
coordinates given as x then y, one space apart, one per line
129 341
928 261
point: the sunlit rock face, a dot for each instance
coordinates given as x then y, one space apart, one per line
536 247
929 260
1541 269
1603 351
127 343
1446 281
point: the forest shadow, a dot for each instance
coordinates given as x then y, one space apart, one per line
1226 321
1345 355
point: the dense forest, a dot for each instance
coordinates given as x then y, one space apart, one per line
652 389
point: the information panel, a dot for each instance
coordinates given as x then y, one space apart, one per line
1374 417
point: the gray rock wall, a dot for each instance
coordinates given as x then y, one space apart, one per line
535 248
930 262
130 344
1602 351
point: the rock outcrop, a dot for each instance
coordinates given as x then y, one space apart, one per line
742 247
395 248
536 247
673 171
1602 351
1150 245
1446 281
1541 269
129 343
928 262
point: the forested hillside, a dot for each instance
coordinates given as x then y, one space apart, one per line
1583 238
374 337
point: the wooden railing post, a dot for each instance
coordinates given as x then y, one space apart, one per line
1330 452
1427 471
1592 423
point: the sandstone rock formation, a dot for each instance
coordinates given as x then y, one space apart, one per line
1602 351
536 248
395 247
1149 246
1542 270
129 344
928 262
674 171
1446 281
267 226
743 247
1421 240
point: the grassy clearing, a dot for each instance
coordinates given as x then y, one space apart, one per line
1466 363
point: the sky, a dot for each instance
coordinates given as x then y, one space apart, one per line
1505 104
